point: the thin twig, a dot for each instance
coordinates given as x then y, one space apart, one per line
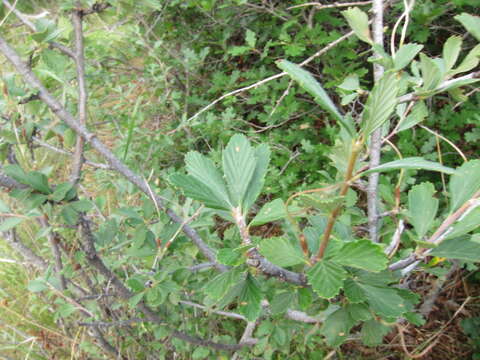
320 6
223 313
457 149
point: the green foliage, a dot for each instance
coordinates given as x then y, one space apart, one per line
148 79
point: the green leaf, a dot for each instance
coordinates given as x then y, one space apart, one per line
418 114
250 298
384 301
38 181
405 55
467 223
422 207
281 302
200 353
135 299
471 23
358 21
16 172
10 223
238 165
203 170
220 284
432 74
350 83
281 252
373 332
415 163
262 154
381 103
326 278
82 205
308 83
462 248
61 191
337 327
451 50
69 214
195 189
469 62
37 285
359 312
271 211
464 183
362 254
230 257
250 38
353 292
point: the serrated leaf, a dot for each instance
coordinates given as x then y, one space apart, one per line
469 62
431 73
337 327
362 254
239 164
462 248
411 163
82 205
271 211
422 207
353 292
196 190
220 284
239 50
250 298
281 302
262 154
326 278
468 223
10 223
359 312
464 183
308 83
203 170
380 103
281 252
471 23
405 55
451 50
230 257
61 191
384 301
417 115
358 21
373 332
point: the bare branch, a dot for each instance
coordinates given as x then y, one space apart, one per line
111 323
320 6
376 137
65 152
57 256
24 251
78 158
206 309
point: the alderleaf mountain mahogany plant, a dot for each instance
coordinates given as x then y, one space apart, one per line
359 278
319 269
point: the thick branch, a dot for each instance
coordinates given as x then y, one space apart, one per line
78 158
376 138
